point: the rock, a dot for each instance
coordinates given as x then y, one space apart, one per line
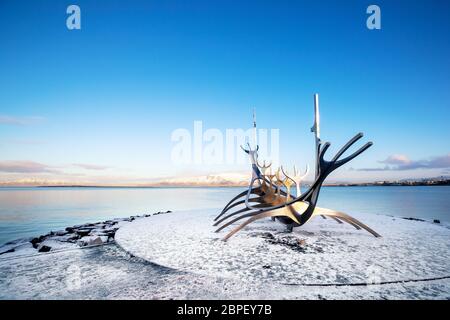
91 241
8 251
35 241
266 266
89 226
83 232
73 238
44 248
61 232
99 233
414 219
110 230
436 221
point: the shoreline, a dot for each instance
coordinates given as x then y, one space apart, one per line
71 237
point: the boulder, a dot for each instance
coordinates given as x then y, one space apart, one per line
72 238
35 241
61 232
83 232
44 248
91 241
436 221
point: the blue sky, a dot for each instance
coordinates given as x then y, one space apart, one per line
100 103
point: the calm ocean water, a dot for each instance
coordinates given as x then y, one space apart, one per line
27 212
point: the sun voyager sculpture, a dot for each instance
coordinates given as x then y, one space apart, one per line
270 195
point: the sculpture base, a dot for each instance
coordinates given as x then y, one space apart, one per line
320 253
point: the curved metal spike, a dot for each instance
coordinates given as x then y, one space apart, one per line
264 166
339 163
306 172
278 177
242 194
235 204
258 206
277 213
237 219
347 145
286 175
245 150
298 179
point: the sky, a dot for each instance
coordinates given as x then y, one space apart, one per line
102 104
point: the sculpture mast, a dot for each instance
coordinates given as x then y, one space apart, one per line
254 128
316 129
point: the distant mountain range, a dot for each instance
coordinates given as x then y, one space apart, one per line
214 180
436 181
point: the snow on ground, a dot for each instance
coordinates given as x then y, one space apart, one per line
107 272
320 252
332 254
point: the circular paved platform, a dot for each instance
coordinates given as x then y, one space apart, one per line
319 253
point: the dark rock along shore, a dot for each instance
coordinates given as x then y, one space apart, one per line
88 234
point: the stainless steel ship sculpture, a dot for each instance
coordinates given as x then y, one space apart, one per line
269 194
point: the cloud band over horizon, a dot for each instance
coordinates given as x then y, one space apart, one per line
399 162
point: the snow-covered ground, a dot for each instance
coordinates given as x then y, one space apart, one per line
320 252
177 255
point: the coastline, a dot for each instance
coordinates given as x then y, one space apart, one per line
112 270
71 237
